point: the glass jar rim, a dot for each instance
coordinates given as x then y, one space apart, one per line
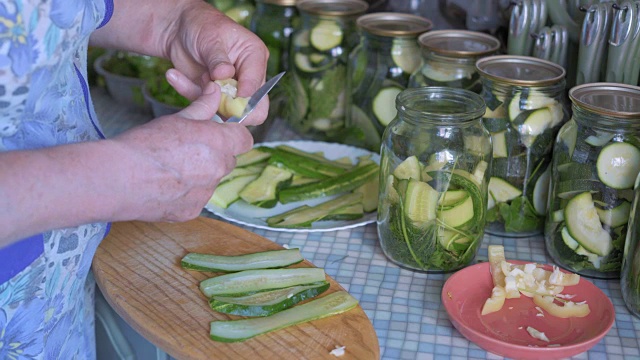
607 99
279 2
520 70
466 43
475 103
337 8
394 24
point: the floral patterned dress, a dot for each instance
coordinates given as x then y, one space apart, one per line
46 289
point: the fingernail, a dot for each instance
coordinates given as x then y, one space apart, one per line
171 76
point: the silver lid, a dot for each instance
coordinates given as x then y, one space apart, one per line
394 24
337 8
459 43
520 70
610 99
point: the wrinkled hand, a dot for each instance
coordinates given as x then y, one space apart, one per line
172 164
207 45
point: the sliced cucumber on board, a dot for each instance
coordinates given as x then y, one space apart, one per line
238 330
259 280
583 224
260 260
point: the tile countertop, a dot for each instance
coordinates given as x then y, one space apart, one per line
404 306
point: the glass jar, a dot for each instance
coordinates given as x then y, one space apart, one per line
434 173
450 58
630 273
315 85
526 107
379 69
273 21
595 163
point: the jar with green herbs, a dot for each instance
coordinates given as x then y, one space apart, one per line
273 21
434 173
316 82
450 58
595 163
630 273
379 69
525 99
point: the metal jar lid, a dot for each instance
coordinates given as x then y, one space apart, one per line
520 70
336 8
394 24
279 2
609 99
459 43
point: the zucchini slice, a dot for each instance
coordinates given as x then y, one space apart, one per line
583 224
409 168
260 260
259 280
305 216
239 330
541 192
253 156
384 104
229 192
458 215
500 191
326 35
499 144
420 203
267 302
306 64
408 58
616 216
568 240
618 165
263 191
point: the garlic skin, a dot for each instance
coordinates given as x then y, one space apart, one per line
230 103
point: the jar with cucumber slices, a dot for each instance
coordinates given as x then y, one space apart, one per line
315 85
630 273
595 163
273 21
434 173
379 69
450 58
525 99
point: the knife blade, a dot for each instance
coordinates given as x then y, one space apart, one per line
256 97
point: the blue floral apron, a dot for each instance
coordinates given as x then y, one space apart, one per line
46 289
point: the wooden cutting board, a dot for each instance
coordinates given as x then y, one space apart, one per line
137 267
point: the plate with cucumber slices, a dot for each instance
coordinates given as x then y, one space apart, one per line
300 186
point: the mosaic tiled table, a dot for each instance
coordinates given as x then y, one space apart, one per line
404 305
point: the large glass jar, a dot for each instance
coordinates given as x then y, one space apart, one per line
379 68
273 21
315 85
450 58
630 273
595 163
434 172
525 100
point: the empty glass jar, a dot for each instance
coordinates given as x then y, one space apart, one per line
434 172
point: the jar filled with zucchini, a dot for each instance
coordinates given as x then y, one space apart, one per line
630 273
315 86
526 106
434 174
450 58
595 163
273 22
379 69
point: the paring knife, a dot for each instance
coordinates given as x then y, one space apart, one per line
256 97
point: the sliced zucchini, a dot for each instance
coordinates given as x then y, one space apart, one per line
618 165
267 303
541 192
536 123
499 144
500 191
369 191
229 192
239 330
616 216
536 100
420 203
260 260
304 63
593 258
457 215
384 104
452 198
326 35
599 139
253 156
568 240
514 109
479 172
446 73
346 182
263 191
243 171
305 215
558 215
583 224
409 168
259 280
406 57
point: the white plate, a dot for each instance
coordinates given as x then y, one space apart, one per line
242 213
